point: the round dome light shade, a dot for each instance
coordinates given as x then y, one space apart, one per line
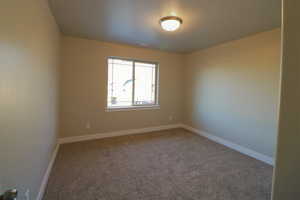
170 23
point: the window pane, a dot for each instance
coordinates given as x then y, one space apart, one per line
145 87
119 82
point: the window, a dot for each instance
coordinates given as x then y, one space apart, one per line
131 84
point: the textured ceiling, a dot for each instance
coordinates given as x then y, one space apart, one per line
136 22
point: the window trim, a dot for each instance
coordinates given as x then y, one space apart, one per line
134 106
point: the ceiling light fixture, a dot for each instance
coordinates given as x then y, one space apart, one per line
170 23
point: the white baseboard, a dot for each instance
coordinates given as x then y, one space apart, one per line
267 159
92 137
47 174
116 133
241 149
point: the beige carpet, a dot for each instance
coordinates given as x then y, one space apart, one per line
165 165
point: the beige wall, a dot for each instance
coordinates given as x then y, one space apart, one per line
232 91
287 170
29 47
84 94
229 90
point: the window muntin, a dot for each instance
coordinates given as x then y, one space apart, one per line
131 83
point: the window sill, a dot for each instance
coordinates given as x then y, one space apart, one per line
132 108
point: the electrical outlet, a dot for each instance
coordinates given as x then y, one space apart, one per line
171 118
27 194
88 125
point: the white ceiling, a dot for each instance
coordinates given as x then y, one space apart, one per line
136 22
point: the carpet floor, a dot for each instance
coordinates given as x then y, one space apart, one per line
165 165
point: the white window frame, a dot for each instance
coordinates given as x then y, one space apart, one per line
134 106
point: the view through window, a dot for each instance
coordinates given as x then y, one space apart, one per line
131 83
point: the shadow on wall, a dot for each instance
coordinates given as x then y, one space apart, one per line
233 91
